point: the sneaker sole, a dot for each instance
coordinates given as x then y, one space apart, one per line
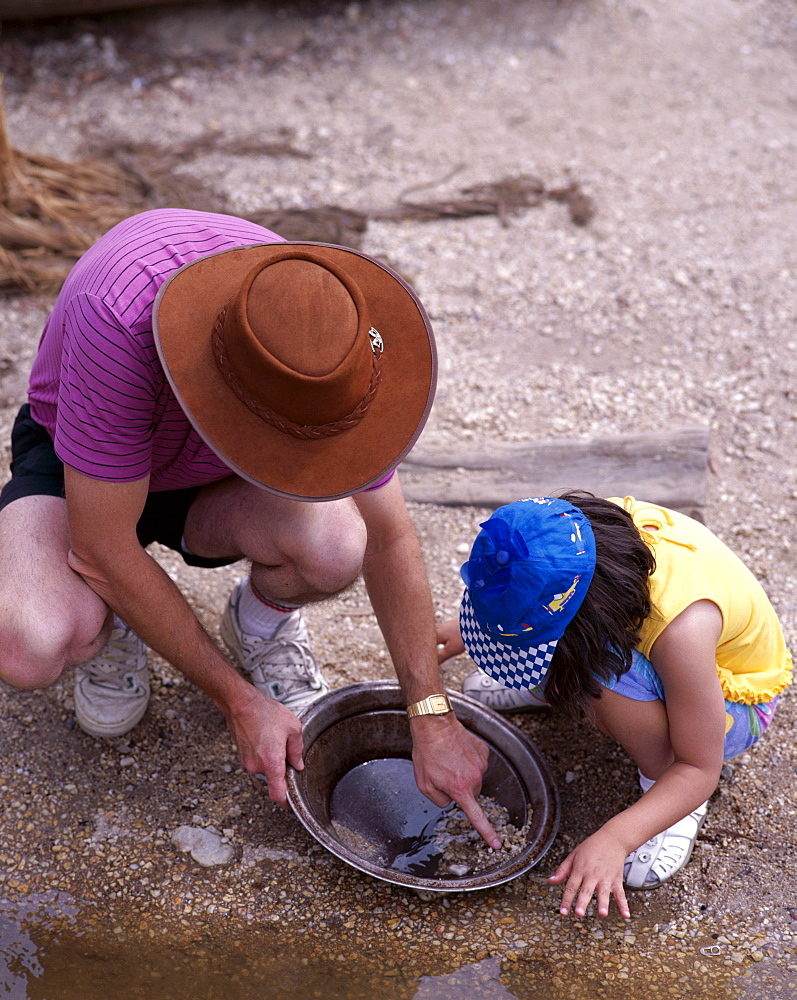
95 728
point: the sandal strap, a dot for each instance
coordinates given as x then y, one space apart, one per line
665 854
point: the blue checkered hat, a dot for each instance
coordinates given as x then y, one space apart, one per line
528 572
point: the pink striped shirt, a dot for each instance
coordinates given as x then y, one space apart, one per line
97 384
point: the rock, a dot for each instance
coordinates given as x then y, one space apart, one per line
203 844
459 870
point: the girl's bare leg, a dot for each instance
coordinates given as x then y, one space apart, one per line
640 727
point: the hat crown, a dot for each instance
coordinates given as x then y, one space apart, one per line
302 315
295 337
530 567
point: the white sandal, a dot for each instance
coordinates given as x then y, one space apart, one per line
665 854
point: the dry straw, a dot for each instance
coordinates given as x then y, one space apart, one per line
52 211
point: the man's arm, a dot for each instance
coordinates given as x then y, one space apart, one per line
449 760
106 553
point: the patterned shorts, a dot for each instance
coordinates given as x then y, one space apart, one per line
744 724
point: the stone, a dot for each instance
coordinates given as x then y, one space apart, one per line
203 844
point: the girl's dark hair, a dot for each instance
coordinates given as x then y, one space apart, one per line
600 638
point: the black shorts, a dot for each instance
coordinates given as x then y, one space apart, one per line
37 471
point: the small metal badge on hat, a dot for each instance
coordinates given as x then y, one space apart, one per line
377 344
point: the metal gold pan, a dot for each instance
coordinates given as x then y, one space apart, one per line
365 722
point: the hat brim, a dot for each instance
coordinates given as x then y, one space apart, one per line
184 314
513 666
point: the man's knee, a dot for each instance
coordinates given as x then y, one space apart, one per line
34 655
329 553
331 556
30 661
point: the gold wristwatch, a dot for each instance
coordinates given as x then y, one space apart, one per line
435 704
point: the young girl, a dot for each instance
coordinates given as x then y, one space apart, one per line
642 621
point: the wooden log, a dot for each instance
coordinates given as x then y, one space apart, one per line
668 468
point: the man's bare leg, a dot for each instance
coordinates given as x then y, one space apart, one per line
299 552
49 618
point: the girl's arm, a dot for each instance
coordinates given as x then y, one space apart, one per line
681 749
449 640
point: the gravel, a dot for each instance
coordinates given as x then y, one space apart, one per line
463 853
676 305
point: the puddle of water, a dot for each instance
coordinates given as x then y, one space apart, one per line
18 960
70 974
768 979
38 962
480 981
34 966
44 955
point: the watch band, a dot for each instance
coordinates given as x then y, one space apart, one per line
435 704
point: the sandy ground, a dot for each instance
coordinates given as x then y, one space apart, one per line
676 305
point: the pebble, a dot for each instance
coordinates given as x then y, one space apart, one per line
205 845
459 870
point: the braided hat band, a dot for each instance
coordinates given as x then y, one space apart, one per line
277 420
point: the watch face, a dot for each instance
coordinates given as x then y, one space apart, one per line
435 704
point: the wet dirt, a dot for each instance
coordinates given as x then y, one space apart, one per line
43 956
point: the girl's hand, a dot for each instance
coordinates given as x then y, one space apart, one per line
595 866
449 639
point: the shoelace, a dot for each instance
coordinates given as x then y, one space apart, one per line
300 663
112 665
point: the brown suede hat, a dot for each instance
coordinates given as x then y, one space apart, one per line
308 368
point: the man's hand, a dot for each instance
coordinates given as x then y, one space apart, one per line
595 866
449 764
267 734
449 640
129 580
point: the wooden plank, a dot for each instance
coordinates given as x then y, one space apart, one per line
667 468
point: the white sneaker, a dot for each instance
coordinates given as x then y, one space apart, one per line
112 690
483 688
282 667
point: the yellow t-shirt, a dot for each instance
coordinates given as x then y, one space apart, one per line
692 564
